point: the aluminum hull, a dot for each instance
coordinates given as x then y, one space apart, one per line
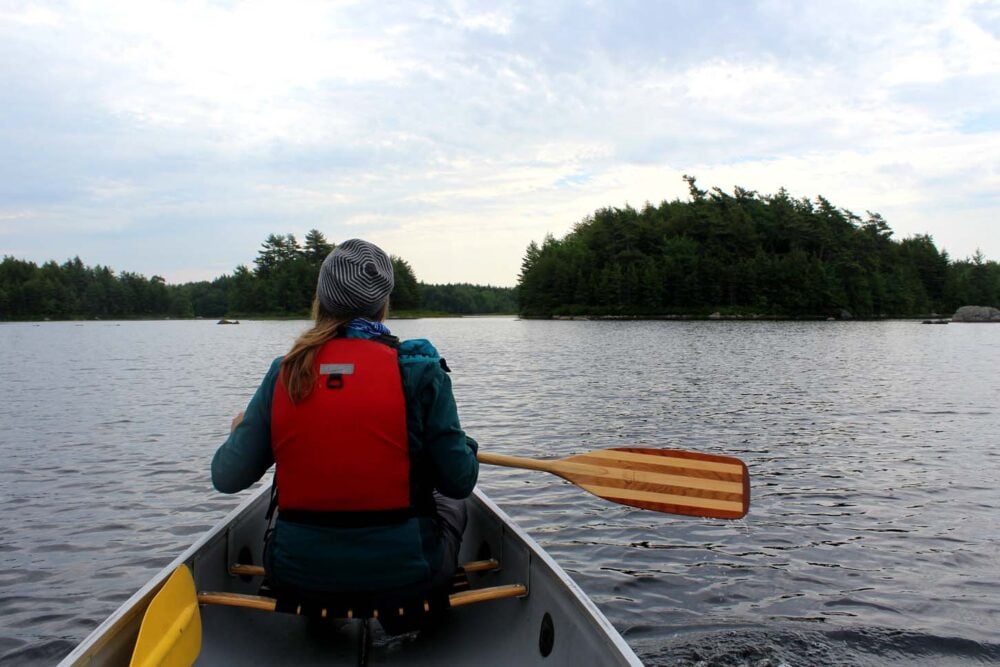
500 632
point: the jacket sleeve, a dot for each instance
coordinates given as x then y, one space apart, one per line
246 454
450 452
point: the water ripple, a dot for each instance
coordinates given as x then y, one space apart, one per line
872 537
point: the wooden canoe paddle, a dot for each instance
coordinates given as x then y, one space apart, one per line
663 480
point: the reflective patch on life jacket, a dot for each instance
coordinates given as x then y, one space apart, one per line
336 369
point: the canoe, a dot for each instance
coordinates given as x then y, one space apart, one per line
553 624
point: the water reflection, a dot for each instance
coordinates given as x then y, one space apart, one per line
872 536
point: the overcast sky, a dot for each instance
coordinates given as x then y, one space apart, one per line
170 138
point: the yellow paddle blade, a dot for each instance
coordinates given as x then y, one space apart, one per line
170 634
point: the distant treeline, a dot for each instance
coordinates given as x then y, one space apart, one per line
744 254
466 299
282 283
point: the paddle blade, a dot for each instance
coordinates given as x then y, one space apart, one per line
664 480
170 634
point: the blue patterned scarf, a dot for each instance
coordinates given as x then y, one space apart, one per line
368 327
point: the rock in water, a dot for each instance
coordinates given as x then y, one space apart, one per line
976 314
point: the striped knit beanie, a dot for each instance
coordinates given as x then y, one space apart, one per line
355 279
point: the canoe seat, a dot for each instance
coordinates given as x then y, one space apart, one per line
397 612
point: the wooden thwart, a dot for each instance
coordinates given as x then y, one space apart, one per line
486 594
662 480
481 565
471 566
455 599
247 570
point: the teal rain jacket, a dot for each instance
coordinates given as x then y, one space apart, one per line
322 558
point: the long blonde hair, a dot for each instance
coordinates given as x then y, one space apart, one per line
298 372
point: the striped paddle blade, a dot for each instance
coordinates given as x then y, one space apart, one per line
664 480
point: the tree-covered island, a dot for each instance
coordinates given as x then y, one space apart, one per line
746 255
738 255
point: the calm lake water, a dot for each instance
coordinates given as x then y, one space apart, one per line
873 536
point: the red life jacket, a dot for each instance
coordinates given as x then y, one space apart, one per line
342 455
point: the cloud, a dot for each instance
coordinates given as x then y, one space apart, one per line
172 138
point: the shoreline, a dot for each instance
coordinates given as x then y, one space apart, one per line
558 318
716 317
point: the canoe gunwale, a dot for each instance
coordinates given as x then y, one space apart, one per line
109 630
537 552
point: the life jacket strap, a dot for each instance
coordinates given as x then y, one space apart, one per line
273 502
387 339
359 519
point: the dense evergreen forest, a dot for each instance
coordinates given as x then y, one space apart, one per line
742 254
281 284
745 254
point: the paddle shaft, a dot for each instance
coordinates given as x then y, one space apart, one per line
517 462
561 467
